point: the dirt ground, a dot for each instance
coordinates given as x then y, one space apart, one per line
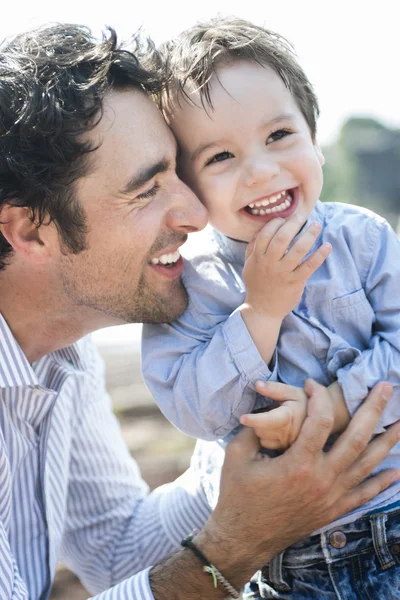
162 451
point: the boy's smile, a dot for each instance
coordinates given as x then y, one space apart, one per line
250 156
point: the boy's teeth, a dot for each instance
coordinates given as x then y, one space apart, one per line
166 259
271 200
259 208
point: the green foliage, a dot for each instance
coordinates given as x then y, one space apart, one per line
363 167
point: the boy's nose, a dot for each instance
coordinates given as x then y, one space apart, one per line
261 168
187 213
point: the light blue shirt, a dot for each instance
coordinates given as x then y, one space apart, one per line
202 368
70 491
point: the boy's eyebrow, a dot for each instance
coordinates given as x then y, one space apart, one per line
206 146
143 176
270 123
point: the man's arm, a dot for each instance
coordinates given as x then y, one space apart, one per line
302 490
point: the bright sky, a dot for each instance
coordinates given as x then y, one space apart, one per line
348 48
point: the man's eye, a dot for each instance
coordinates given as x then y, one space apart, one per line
151 192
219 157
278 135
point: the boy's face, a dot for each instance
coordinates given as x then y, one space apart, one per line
251 157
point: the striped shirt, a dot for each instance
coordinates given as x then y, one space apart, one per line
69 489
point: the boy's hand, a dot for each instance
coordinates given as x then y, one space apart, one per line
279 427
275 276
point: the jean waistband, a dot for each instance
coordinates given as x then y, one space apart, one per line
373 531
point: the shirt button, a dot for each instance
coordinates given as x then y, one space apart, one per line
337 539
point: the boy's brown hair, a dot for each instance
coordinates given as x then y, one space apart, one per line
193 57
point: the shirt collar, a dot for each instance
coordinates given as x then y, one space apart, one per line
15 370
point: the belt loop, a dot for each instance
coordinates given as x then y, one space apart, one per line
276 573
380 542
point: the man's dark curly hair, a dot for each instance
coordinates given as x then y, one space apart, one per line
52 84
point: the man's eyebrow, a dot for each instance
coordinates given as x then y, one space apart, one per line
220 143
140 178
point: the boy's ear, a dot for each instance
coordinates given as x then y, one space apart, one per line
23 235
319 154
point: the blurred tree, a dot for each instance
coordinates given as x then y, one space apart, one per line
363 167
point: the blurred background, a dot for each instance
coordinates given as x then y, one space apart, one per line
349 50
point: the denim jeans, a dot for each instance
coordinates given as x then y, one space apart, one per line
356 561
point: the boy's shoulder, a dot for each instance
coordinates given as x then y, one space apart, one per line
349 220
341 210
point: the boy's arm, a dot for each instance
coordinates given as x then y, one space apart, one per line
275 273
205 355
381 360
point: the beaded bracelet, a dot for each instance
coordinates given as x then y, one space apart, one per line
209 568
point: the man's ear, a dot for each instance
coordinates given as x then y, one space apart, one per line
26 238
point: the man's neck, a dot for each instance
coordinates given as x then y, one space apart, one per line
41 320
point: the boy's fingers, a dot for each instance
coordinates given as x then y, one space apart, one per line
274 419
301 247
284 236
313 262
266 234
279 391
353 441
250 248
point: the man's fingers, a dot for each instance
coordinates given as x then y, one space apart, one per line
318 423
278 391
374 453
244 446
353 441
273 419
366 491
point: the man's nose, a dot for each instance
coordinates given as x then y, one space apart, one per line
187 213
261 167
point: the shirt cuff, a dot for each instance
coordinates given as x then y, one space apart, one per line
137 587
244 351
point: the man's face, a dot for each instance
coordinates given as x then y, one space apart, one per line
138 213
250 158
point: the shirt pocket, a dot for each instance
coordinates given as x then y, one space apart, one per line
353 318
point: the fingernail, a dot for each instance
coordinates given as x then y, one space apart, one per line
316 226
386 391
261 383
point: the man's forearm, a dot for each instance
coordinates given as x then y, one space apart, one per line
182 577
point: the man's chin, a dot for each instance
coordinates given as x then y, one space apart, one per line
163 309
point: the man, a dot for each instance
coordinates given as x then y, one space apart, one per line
90 203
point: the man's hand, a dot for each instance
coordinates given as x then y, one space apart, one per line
279 427
267 504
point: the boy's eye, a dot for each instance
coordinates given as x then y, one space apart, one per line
219 157
278 135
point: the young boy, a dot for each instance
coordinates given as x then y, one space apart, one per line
268 301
